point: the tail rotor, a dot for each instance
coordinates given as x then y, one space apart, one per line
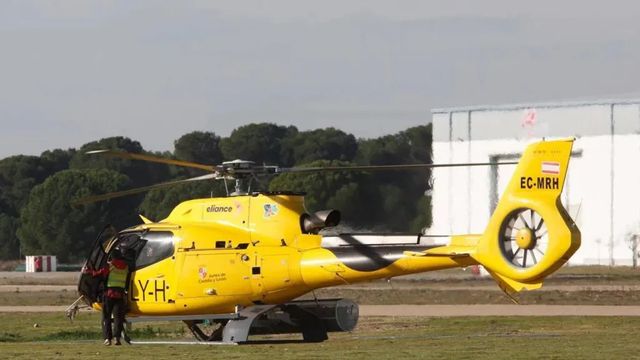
524 238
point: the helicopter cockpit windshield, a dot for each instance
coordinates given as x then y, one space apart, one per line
152 247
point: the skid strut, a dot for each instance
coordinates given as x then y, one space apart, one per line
200 335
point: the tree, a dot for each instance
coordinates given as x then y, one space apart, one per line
390 201
57 160
140 172
261 143
49 224
345 191
403 193
419 139
200 147
9 244
18 175
319 144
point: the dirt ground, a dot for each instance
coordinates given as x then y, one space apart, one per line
434 310
44 278
497 310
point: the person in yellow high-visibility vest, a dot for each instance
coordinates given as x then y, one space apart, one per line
114 300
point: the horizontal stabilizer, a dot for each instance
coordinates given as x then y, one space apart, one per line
445 251
511 286
459 246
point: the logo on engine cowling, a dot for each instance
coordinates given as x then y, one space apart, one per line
217 209
270 210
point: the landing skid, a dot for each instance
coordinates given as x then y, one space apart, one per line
311 318
206 343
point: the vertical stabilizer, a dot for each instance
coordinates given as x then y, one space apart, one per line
530 234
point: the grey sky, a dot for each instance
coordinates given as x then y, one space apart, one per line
75 71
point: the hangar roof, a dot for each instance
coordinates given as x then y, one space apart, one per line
542 105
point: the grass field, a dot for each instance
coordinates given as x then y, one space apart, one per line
379 338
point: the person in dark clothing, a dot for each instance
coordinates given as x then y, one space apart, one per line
114 299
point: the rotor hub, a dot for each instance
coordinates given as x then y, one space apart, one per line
525 239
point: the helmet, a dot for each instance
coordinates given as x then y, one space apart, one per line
116 254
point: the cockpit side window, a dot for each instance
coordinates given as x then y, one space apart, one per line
158 245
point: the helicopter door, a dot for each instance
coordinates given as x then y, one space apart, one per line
213 274
92 287
274 273
152 279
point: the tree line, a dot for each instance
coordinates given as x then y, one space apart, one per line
36 215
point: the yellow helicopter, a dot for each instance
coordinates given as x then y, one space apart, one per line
241 261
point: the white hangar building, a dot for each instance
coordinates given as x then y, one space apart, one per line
602 191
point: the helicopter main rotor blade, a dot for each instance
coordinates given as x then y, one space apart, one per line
151 158
95 198
385 167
